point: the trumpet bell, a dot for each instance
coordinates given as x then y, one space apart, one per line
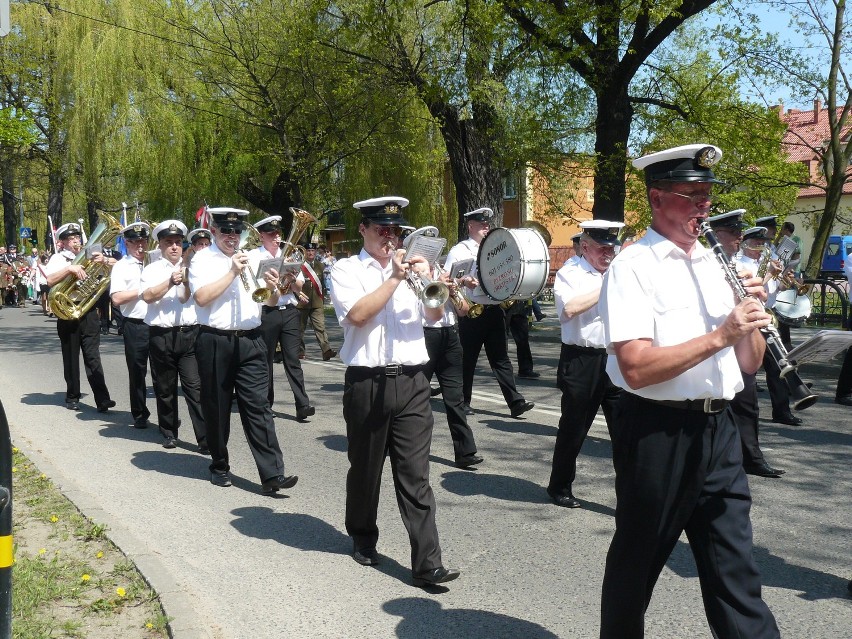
435 295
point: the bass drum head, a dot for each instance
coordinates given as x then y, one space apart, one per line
512 264
792 309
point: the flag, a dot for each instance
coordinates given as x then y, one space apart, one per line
202 218
53 233
119 243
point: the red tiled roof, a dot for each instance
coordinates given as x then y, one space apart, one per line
808 130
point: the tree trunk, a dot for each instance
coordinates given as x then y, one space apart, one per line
612 130
826 222
10 211
285 193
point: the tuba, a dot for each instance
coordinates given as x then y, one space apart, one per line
71 298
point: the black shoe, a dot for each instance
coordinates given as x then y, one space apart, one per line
220 479
762 470
103 408
203 450
169 442
366 556
521 408
529 375
277 358
846 400
141 423
435 391
72 405
787 418
468 410
303 413
327 355
274 484
468 460
566 501
437 576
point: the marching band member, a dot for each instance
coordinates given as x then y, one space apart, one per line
745 405
173 329
231 352
125 291
83 335
582 376
749 258
677 341
313 311
445 362
489 329
386 392
280 323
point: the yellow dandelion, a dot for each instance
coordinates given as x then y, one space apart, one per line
121 592
41 551
149 625
42 476
14 450
54 519
86 577
100 554
14 469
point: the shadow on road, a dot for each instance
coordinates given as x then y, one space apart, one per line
515 426
465 484
425 617
334 442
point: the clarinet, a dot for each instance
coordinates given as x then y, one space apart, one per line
799 392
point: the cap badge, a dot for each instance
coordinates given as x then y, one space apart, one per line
392 209
706 157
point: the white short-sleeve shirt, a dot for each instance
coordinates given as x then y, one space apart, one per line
575 278
653 290
127 276
464 250
395 334
232 310
58 261
259 254
168 311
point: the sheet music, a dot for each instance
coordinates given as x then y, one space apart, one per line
785 249
821 347
461 268
427 247
283 268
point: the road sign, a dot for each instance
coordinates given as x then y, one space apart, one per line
5 25
25 232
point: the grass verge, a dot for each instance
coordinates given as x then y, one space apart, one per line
69 580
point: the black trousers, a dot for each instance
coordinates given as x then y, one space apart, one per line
746 411
779 392
585 387
679 470
519 327
390 415
283 327
172 352
230 363
844 381
76 336
136 336
489 330
445 362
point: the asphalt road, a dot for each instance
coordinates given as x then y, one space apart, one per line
233 564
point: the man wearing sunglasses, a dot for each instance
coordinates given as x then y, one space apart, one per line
386 391
232 355
677 339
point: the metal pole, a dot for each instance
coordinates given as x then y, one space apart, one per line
7 558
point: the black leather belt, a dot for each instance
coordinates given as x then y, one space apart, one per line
251 332
709 406
583 349
390 370
162 330
134 320
269 309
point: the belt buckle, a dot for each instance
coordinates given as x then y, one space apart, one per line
713 406
392 370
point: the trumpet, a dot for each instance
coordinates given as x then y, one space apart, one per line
788 279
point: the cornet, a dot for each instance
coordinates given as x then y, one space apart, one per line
250 239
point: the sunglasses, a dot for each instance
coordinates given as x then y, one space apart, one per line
231 230
388 231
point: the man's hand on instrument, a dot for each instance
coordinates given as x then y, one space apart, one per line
470 281
419 265
78 271
754 288
747 316
399 267
239 261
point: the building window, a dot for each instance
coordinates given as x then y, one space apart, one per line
510 186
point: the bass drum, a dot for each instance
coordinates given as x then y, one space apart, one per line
513 264
792 309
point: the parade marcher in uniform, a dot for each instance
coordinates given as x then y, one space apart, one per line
281 319
386 392
745 405
749 258
76 336
518 326
677 340
314 310
445 362
104 303
489 328
199 239
232 354
582 376
843 392
173 329
125 291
